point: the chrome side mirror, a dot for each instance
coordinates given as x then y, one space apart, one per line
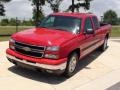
89 31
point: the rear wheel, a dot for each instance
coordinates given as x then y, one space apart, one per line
71 65
105 44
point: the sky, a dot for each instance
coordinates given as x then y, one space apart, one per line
23 9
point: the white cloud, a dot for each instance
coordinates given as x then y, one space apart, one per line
19 8
23 8
100 6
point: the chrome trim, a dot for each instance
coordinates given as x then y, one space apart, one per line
32 50
32 45
45 66
32 56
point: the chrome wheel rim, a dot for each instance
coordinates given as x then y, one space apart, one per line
105 44
72 64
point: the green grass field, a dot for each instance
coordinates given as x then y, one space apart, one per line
6 31
115 31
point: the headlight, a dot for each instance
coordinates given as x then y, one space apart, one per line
11 44
12 40
53 48
52 56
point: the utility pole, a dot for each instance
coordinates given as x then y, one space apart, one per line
17 24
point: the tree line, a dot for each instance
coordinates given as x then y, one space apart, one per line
53 4
2 8
15 22
109 16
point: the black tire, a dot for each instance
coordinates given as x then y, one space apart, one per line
104 45
71 65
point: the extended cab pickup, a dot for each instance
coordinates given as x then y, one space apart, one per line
60 40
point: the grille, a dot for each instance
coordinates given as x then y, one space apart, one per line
30 50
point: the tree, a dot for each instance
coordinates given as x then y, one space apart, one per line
2 8
37 15
4 22
26 22
85 5
4 1
37 11
119 20
12 22
54 4
110 17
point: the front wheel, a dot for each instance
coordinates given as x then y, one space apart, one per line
71 65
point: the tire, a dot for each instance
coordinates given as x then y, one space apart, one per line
71 65
104 45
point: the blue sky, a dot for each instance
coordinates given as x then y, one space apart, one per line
23 9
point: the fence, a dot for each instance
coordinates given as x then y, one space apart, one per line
9 30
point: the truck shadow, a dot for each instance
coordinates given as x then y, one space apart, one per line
116 41
52 79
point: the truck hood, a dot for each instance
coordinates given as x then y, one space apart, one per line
43 36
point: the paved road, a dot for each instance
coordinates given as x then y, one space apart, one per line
98 71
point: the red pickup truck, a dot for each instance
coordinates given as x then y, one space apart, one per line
58 43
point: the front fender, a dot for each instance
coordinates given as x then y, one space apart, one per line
68 47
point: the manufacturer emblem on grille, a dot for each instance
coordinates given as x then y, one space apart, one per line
26 49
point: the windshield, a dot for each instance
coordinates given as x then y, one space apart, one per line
64 23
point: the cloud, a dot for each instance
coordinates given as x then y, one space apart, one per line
19 8
23 9
100 6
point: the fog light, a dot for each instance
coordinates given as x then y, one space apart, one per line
12 47
52 56
49 71
53 48
11 44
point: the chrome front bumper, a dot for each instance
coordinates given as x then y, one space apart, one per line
44 66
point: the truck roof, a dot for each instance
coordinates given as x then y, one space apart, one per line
78 15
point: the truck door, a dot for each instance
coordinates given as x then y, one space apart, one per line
99 36
89 39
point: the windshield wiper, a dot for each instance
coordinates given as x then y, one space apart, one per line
59 29
42 27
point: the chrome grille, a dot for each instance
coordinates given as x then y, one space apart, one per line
30 50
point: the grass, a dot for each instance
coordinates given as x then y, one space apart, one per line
4 38
115 31
7 31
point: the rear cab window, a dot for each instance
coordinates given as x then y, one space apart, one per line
96 23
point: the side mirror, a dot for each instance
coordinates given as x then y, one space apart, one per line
89 31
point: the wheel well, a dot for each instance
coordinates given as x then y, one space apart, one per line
107 36
76 50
